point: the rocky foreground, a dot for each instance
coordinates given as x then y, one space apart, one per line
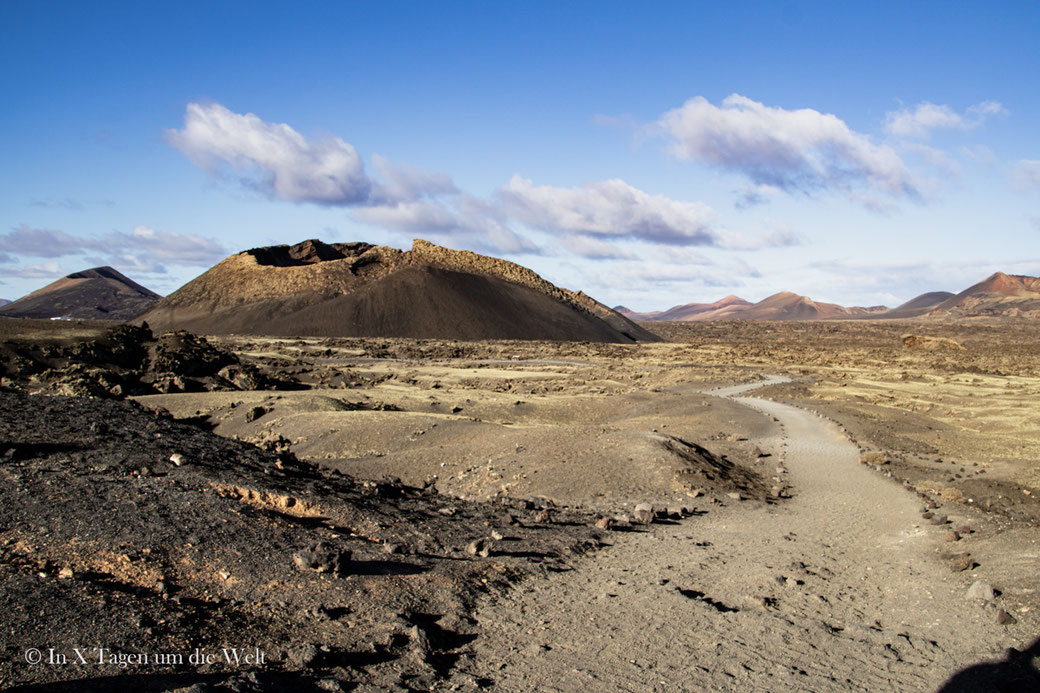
123 532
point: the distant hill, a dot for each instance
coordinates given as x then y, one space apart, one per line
781 306
917 306
101 293
359 289
3 302
999 295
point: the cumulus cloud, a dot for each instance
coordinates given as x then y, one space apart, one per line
277 160
611 208
794 150
272 157
175 248
920 121
43 270
25 240
776 235
141 250
1026 174
461 218
403 183
594 249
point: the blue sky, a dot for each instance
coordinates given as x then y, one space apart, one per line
649 154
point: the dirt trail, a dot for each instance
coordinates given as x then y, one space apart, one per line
839 588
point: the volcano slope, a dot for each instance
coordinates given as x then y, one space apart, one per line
101 293
357 289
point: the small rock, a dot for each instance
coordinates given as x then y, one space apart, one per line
1004 618
255 413
322 558
393 548
644 513
496 535
605 523
304 656
735 495
961 562
963 529
980 590
177 459
508 519
479 547
543 517
927 514
951 535
938 519
66 573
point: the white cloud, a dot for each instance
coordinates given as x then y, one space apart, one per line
926 117
140 250
275 159
403 182
776 235
25 240
44 270
1026 174
461 218
611 208
593 248
801 150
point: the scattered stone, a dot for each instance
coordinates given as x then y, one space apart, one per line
735 495
605 523
961 562
255 413
951 535
393 548
177 459
496 535
644 513
66 573
981 590
1005 619
927 514
543 517
508 519
939 519
874 459
304 656
479 547
322 558
963 529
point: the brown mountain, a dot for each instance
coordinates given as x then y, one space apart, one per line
358 289
999 295
782 306
101 293
916 306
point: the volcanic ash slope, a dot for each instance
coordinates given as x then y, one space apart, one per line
362 290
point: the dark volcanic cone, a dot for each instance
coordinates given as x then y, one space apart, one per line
101 293
361 290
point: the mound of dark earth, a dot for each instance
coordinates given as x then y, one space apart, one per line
101 293
361 290
125 360
125 534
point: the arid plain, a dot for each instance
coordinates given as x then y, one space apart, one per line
949 423
832 506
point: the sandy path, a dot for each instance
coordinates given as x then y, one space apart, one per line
839 588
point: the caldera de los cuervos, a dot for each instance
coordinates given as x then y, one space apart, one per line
344 466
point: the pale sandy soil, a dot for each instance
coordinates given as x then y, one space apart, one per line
844 585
